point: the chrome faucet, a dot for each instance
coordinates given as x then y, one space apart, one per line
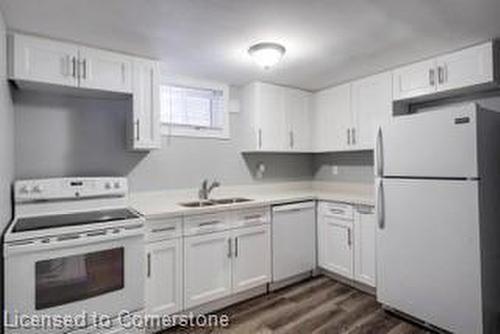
206 189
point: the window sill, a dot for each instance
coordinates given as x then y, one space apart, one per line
168 131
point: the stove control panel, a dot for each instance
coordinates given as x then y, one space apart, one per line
69 188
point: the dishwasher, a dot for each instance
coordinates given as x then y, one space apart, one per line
293 239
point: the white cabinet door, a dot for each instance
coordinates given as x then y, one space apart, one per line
364 246
372 107
251 257
270 118
468 67
164 277
104 70
43 60
335 245
415 80
332 119
145 133
297 110
207 274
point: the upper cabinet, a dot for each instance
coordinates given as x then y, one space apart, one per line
40 60
276 118
471 67
104 70
144 126
346 117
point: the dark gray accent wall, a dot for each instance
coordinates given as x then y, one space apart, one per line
352 167
67 136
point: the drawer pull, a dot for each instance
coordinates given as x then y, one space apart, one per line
252 217
164 229
337 211
208 224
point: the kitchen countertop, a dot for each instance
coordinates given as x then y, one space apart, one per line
163 204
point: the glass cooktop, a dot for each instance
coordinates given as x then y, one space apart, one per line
73 219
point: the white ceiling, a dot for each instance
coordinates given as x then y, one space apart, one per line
327 41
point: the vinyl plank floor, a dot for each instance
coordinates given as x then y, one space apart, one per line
320 305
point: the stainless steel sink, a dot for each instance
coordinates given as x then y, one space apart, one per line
220 201
231 200
197 204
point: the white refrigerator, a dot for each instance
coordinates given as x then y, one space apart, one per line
438 209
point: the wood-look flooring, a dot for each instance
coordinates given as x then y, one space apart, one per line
320 305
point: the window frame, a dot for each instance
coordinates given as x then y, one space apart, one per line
173 130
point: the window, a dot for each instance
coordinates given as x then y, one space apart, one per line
198 110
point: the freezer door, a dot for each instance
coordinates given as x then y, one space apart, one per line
428 258
438 143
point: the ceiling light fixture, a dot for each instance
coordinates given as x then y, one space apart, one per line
267 54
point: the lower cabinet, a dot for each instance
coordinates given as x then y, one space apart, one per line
208 262
346 241
218 264
164 277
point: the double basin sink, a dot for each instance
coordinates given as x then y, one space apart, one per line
213 202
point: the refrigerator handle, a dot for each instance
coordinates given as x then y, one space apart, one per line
380 204
379 154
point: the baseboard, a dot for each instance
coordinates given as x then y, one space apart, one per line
273 286
359 286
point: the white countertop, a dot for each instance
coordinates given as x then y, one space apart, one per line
162 204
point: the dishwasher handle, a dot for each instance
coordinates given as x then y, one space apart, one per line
294 207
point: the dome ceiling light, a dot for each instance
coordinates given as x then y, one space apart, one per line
267 54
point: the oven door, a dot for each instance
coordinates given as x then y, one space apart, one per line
76 277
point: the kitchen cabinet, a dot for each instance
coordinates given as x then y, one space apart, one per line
104 70
466 68
335 244
164 277
225 253
332 119
346 241
371 101
276 118
41 60
208 267
144 123
252 260
364 245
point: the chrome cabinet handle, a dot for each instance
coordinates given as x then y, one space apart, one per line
337 211
432 77
137 130
84 75
260 138
236 247
348 136
291 139
379 152
229 247
252 217
210 223
165 229
73 67
440 74
380 205
353 131
349 237
149 265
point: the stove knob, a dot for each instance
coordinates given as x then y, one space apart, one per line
37 189
117 185
107 186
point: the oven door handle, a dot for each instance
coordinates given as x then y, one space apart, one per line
83 239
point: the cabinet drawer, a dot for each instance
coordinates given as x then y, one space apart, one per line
206 223
337 210
252 217
161 229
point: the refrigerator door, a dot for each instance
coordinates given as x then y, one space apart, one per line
428 256
439 143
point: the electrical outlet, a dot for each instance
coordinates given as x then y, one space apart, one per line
335 170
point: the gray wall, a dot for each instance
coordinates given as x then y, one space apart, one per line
67 136
352 167
6 135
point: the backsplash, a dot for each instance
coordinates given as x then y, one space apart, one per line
354 167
